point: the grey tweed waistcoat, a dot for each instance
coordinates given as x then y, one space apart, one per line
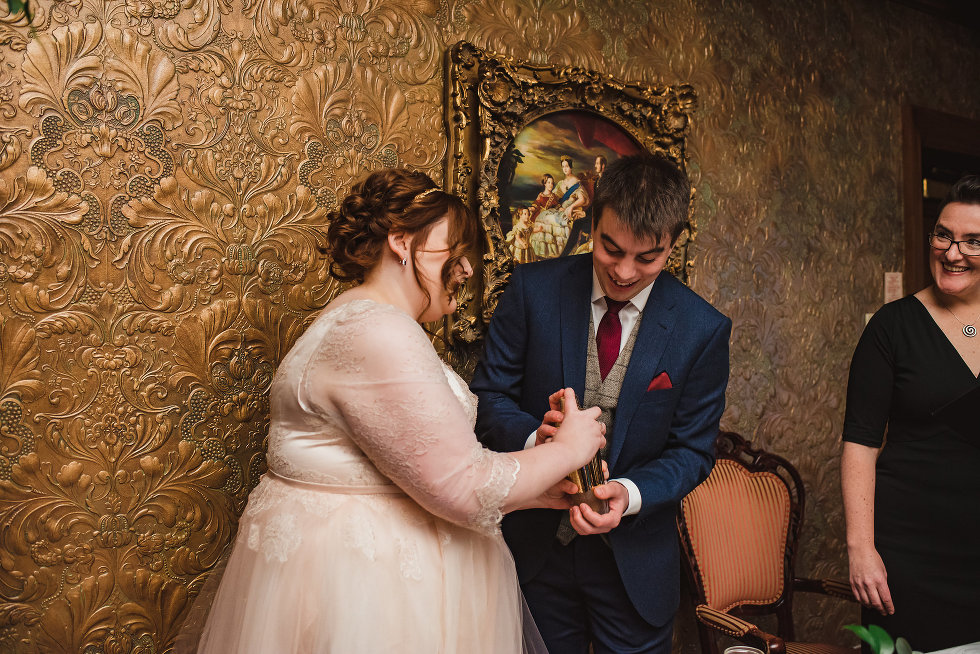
604 393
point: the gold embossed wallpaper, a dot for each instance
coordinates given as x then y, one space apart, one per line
165 171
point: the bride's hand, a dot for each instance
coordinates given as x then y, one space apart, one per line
580 430
551 420
558 496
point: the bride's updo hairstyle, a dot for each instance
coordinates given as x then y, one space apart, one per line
395 200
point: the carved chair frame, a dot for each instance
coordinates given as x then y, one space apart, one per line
732 446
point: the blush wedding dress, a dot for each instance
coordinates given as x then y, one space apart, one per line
376 527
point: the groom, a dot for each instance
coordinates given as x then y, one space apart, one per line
654 356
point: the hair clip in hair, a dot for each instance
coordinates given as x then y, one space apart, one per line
425 193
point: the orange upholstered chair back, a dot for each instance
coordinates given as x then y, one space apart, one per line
737 523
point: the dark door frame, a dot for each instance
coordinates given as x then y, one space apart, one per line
927 128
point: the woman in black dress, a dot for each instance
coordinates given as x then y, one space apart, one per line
911 497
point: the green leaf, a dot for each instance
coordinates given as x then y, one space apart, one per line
902 646
877 638
885 643
863 634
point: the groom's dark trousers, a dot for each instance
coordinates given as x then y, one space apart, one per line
618 590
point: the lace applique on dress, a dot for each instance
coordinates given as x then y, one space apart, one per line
445 536
408 559
254 537
359 535
383 415
344 321
363 473
317 503
262 497
278 539
340 351
504 469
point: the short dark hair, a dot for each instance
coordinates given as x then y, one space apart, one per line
965 191
649 192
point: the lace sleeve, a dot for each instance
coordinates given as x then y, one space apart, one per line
379 372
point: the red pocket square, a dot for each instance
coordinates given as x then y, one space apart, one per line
660 382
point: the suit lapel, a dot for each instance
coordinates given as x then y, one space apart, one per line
575 296
648 350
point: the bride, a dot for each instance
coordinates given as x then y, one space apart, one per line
375 528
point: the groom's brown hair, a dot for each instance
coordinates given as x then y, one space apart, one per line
649 194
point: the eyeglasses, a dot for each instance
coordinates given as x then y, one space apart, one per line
968 248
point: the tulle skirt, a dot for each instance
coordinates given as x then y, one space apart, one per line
322 572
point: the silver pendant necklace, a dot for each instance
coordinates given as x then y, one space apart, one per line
968 329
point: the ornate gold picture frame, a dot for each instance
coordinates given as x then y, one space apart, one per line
497 112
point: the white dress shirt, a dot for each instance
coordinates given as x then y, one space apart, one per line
627 318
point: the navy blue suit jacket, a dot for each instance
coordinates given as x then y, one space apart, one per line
662 440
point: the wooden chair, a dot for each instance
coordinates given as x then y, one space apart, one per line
739 531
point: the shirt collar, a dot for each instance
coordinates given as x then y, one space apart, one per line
639 300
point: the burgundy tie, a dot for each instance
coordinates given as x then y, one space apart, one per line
608 336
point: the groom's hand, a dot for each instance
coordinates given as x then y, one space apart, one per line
551 419
585 521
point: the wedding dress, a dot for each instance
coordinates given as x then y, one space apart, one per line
376 528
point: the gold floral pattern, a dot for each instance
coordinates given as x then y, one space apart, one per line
166 169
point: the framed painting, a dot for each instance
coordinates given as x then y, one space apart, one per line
547 179
528 144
